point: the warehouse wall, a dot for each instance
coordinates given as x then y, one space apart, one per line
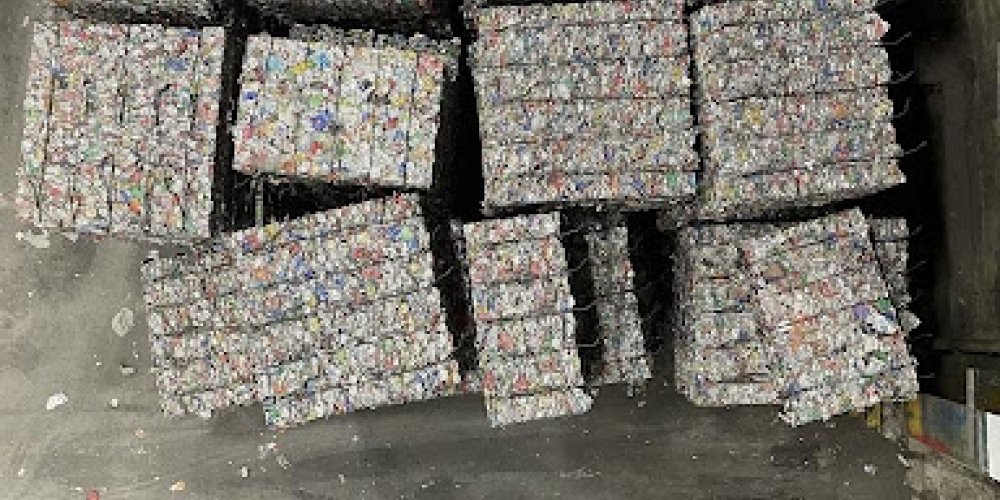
957 54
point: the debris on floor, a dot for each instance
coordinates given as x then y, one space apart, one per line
39 241
581 473
123 322
56 400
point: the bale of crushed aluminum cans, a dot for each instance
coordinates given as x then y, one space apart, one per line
326 314
344 107
720 357
890 242
120 129
833 338
143 9
793 104
718 332
584 103
523 312
624 358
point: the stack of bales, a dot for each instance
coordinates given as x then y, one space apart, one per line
793 104
833 337
720 357
321 315
525 326
345 107
891 245
624 358
584 103
120 129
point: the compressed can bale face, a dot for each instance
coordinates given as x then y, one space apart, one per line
764 330
119 132
584 103
321 315
720 359
624 358
793 101
835 340
349 108
525 327
889 241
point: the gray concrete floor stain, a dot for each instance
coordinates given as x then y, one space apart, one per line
59 338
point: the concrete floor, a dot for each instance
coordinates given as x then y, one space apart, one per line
56 306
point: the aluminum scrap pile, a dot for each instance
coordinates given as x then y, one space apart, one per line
833 338
720 357
793 104
525 328
326 314
889 239
348 107
584 103
119 133
624 358
196 9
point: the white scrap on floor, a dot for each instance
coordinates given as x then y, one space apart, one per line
40 241
123 322
580 473
56 400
